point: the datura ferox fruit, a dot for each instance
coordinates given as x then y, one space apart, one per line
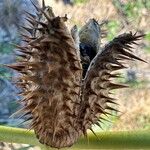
66 77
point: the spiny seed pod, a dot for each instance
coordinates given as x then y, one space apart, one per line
60 104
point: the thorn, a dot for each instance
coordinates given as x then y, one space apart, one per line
118 67
76 103
39 29
37 46
46 16
26 120
42 24
98 124
114 61
77 85
116 86
20 47
106 97
74 59
139 36
112 102
24 72
85 133
104 22
22 55
76 68
113 109
116 75
66 107
26 40
27 37
65 18
31 18
132 56
25 114
107 113
94 133
21 85
31 15
34 124
124 57
34 5
32 22
135 33
43 4
126 46
36 41
93 92
70 123
71 115
16 67
135 43
90 120
26 52
29 30
101 118
17 113
99 108
106 76
53 134
74 92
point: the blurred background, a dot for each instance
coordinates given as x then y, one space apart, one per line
123 16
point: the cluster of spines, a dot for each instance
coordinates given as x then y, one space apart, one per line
50 79
80 108
97 84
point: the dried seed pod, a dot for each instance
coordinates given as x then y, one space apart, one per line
51 79
60 104
97 85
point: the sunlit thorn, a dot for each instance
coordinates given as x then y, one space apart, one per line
34 5
43 4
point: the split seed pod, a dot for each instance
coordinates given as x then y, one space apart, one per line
62 105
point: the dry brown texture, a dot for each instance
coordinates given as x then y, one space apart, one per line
59 108
103 9
50 81
98 84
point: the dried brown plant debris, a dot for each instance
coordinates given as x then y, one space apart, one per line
59 102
